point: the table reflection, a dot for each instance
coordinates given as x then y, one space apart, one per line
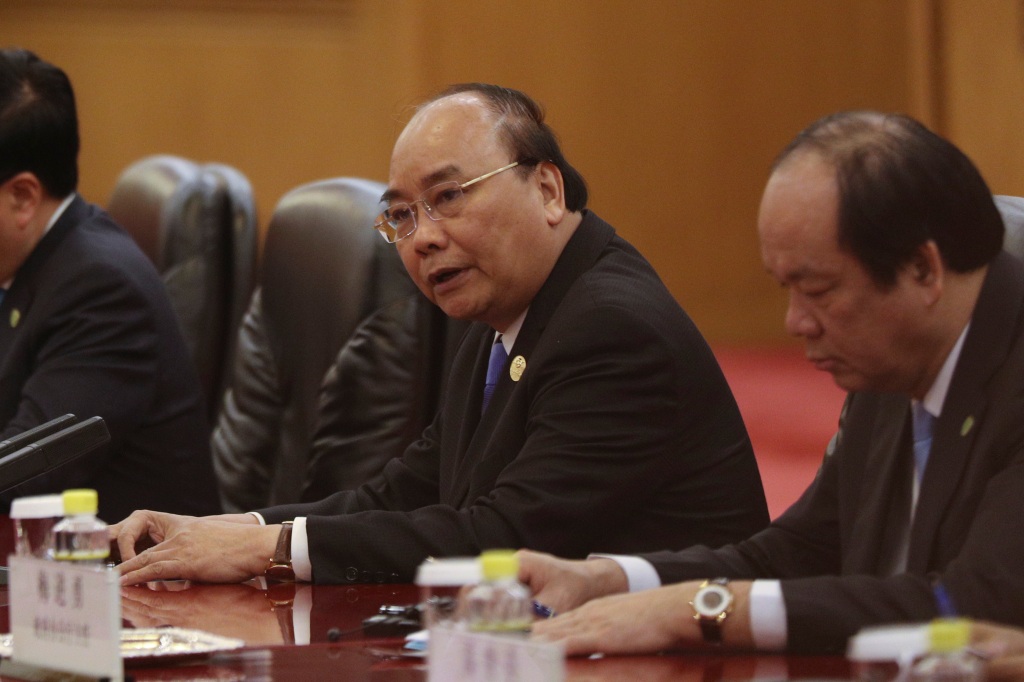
272 619
260 613
676 668
243 611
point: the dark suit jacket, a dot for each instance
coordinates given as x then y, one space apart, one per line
830 547
96 335
621 435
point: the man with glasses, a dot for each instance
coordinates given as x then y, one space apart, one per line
85 323
583 411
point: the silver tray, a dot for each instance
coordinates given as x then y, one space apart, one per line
162 643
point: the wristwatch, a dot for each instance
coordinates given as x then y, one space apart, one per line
711 606
279 568
282 598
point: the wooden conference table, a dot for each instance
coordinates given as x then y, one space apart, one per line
329 618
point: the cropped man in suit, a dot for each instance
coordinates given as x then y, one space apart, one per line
86 325
609 424
889 243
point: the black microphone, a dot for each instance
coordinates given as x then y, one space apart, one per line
20 440
52 451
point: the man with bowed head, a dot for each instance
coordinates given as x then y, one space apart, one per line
890 245
583 411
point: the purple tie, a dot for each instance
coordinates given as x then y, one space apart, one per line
494 367
924 424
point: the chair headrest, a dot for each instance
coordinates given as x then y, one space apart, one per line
325 268
1012 209
143 193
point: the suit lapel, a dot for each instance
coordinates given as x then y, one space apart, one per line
476 431
460 411
18 301
993 328
870 548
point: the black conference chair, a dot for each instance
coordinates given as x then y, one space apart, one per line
331 293
243 248
197 223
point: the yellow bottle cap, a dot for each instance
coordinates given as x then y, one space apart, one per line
499 563
949 634
80 501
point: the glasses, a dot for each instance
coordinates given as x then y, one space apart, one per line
444 200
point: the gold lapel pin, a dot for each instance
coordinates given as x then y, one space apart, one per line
968 424
15 318
516 369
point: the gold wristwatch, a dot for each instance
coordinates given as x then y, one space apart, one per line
711 606
279 568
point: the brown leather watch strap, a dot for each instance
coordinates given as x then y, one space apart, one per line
279 568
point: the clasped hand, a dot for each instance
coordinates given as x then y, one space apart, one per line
228 548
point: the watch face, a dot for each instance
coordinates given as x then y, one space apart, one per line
280 572
712 600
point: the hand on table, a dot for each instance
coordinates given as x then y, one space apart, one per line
1004 645
563 584
638 623
642 622
227 548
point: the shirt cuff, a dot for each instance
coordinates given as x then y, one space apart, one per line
639 572
768 615
300 551
259 517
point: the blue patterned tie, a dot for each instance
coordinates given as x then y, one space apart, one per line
494 367
924 424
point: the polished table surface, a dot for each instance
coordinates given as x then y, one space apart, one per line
268 622
329 618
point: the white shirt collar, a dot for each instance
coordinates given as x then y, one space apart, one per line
936 395
508 338
59 212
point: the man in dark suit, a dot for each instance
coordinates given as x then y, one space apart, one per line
889 243
85 324
609 424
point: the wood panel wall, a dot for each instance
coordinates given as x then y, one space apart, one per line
672 109
982 49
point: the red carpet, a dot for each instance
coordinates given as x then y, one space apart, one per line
791 411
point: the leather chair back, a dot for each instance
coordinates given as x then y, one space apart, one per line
198 225
241 232
1012 209
325 272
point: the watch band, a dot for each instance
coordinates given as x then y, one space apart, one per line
279 568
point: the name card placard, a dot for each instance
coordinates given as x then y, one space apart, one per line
66 616
455 654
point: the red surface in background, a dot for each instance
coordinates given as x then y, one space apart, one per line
791 411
